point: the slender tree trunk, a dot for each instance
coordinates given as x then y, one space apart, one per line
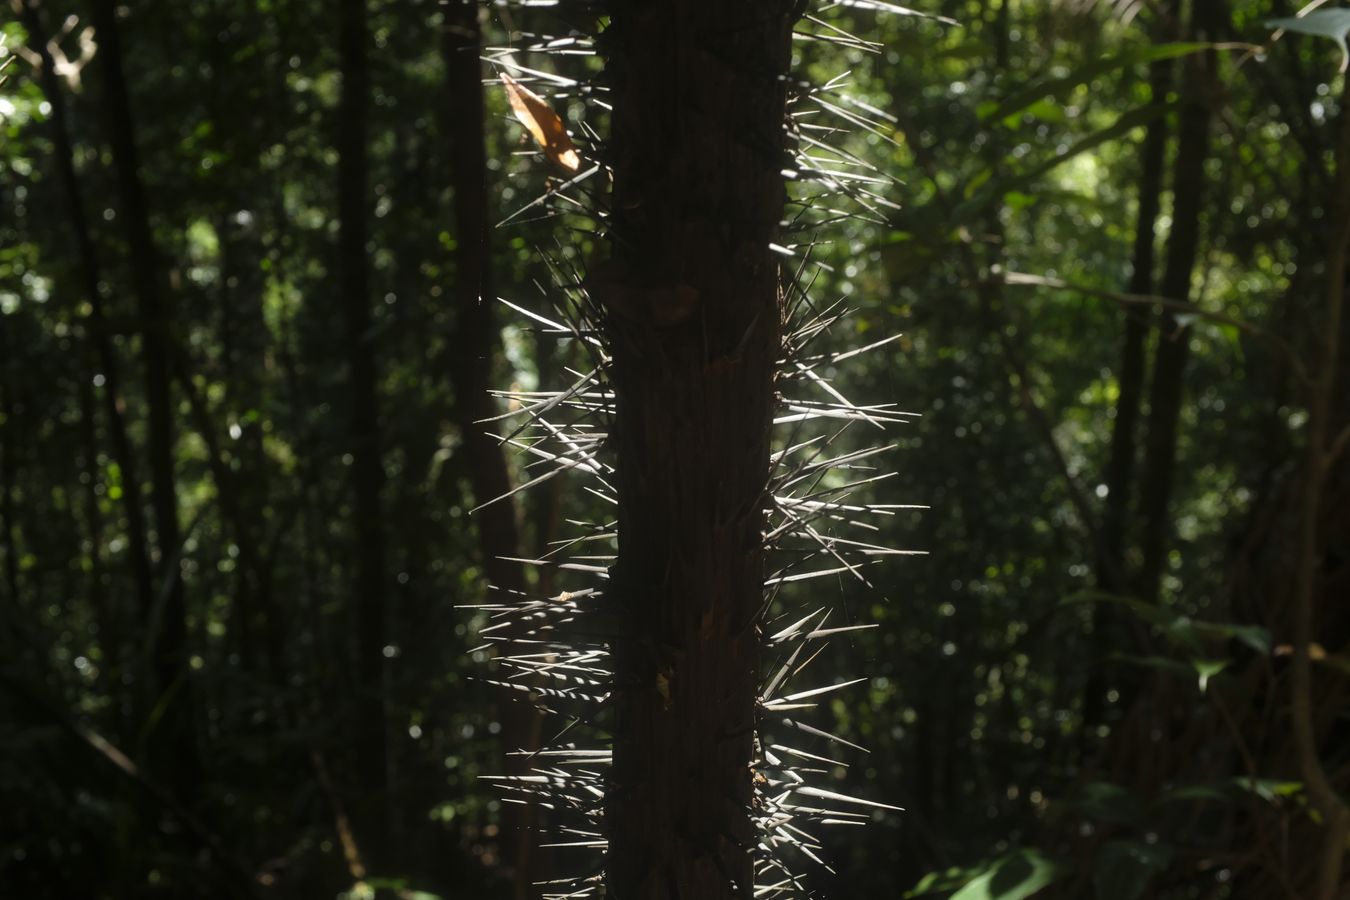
1169 365
371 739
241 131
1130 376
1130 380
9 469
180 760
96 326
1312 553
692 300
110 631
259 617
477 339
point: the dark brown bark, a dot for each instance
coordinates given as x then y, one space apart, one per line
170 654
473 349
97 330
1169 364
691 296
370 738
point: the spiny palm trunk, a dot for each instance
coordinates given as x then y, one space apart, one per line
691 295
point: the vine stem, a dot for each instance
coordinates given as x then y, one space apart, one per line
1333 810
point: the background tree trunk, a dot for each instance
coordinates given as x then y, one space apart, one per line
1169 362
1131 378
1131 373
178 759
472 352
370 739
98 330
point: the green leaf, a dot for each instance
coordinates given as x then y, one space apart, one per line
1013 877
946 880
1268 789
1196 792
1103 801
1233 790
1060 87
1044 110
1180 629
1123 869
1207 669
1327 23
1253 636
1161 663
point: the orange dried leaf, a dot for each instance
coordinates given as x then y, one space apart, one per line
543 123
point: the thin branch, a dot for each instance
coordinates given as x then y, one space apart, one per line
1017 279
1077 495
1322 794
113 755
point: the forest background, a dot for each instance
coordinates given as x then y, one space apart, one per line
241 385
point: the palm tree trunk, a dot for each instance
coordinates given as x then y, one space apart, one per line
692 299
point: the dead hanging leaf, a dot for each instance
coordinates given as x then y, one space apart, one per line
1315 651
543 124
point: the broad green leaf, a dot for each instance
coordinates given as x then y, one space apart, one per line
1207 669
1233 790
1013 877
1162 663
1044 110
946 880
1196 792
1254 636
1181 629
1268 789
1123 869
1104 801
1327 23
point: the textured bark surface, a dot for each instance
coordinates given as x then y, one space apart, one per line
691 295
